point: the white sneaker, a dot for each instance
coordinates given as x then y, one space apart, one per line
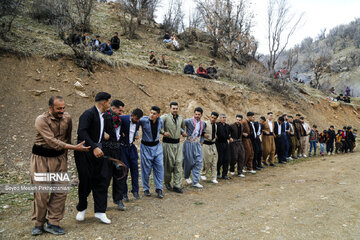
198 185
333 153
241 175
290 158
329 153
232 173
203 178
304 156
252 171
188 180
103 218
214 181
80 216
244 171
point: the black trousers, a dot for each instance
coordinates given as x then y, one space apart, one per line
94 176
344 146
290 146
279 148
223 158
330 146
257 153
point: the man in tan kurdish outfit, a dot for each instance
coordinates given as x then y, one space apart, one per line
268 140
49 155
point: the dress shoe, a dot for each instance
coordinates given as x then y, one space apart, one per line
203 178
54 229
252 171
218 176
226 178
168 186
214 181
272 165
121 206
177 190
37 230
265 164
147 193
257 168
159 193
126 198
136 195
282 162
262 166
188 180
103 218
197 185
80 216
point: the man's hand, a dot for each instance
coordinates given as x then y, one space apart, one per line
184 134
207 135
106 136
80 147
166 134
245 134
136 137
266 132
98 152
231 140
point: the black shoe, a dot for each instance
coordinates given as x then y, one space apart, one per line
282 162
218 176
226 178
56 230
262 167
265 164
257 169
177 190
159 193
37 230
147 193
168 186
126 198
121 206
272 165
136 195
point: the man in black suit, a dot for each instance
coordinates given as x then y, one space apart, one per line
279 140
257 143
222 146
93 170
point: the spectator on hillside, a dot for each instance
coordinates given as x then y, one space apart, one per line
175 42
167 38
152 58
277 75
202 72
212 72
85 39
106 49
347 91
340 98
332 90
96 44
189 69
347 99
296 76
115 41
163 63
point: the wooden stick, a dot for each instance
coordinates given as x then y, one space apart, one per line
138 87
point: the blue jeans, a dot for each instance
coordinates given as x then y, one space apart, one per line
322 148
313 145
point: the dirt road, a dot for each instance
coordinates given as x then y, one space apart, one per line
314 199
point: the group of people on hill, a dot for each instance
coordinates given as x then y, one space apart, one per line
209 72
281 73
175 45
95 44
212 148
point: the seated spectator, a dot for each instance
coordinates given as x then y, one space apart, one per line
167 38
332 90
85 39
212 72
115 41
347 99
96 44
176 44
105 48
163 63
340 98
189 69
277 75
202 72
152 58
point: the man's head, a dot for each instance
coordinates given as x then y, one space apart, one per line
174 108
331 127
152 52
302 120
239 118
97 37
281 120
223 118
136 115
314 126
190 62
298 115
200 66
349 128
250 116
117 107
214 116
285 116
116 34
198 112
290 119
102 100
57 106
154 113
262 120
270 116
108 42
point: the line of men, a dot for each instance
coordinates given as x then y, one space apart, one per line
210 148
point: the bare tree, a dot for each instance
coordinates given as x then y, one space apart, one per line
9 10
292 58
174 17
281 25
84 9
319 66
195 19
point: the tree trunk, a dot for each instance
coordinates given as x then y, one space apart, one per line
215 48
231 68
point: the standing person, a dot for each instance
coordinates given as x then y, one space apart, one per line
303 137
111 148
257 143
249 152
115 41
192 152
236 146
307 131
338 143
299 132
129 134
222 146
314 138
268 141
331 139
285 129
292 138
93 170
209 149
344 146
350 139
322 140
49 155
151 152
279 140
173 128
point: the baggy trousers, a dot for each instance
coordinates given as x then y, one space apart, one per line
130 157
249 153
210 160
268 148
172 163
152 158
237 156
192 160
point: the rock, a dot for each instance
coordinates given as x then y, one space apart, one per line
334 105
37 92
37 79
54 89
81 94
38 71
66 80
79 86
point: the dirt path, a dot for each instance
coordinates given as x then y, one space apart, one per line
314 199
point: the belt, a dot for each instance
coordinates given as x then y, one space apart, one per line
126 145
208 143
46 152
237 140
171 140
111 145
192 139
150 144
270 134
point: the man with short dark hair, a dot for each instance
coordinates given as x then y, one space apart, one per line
152 58
106 48
331 139
268 141
192 152
280 146
222 145
93 170
212 72
189 69
152 152
257 126
237 151
173 128
115 41
249 152
49 155
314 138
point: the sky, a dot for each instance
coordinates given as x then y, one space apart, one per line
318 14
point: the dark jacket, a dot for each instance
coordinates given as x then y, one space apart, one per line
115 42
236 131
189 69
211 71
331 136
125 129
89 128
223 132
